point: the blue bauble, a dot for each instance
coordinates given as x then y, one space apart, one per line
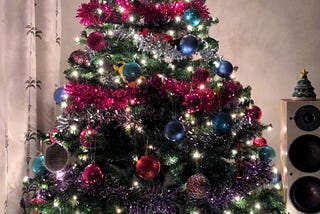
192 17
267 152
59 94
38 164
276 179
189 44
174 130
131 71
222 122
224 69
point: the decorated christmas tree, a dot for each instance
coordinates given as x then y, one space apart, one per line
152 121
304 90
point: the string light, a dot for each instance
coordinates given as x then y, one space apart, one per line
100 62
257 206
25 179
196 155
143 62
75 73
190 68
77 40
131 18
100 70
227 212
117 80
118 210
135 184
189 28
178 19
73 129
269 128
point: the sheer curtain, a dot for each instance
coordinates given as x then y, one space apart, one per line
29 73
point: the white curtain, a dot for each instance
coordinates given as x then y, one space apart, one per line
29 74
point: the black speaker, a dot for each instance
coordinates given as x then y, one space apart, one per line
300 155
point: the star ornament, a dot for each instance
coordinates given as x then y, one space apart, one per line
303 73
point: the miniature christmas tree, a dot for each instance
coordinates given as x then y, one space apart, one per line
153 121
304 89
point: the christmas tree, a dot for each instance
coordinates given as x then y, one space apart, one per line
304 90
153 121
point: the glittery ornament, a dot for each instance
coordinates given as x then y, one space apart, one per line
192 17
88 137
188 44
267 152
259 142
92 174
198 186
96 42
131 71
224 69
253 114
148 166
192 102
55 157
79 57
221 122
174 130
52 135
59 95
200 76
94 14
38 164
37 200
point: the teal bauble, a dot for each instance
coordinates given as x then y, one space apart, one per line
221 122
267 152
38 164
192 17
131 71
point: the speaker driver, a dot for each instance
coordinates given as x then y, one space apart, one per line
307 118
305 194
304 153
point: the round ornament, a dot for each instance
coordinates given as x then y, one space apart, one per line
276 179
148 166
224 69
174 130
198 186
192 102
253 114
188 44
38 164
131 71
56 157
200 76
52 135
59 95
96 42
92 174
221 122
88 137
267 152
79 57
259 142
192 17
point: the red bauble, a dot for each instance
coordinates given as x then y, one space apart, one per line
92 174
201 76
253 114
198 186
148 166
259 142
88 137
192 102
96 42
79 57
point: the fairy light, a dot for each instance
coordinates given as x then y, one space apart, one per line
190 68
77 40
249 142
128 109
73 129
139 81
139 129
121 9
178 18
257 206
219 84
233 116
136 36
275 170
117 80
151 147
56 203
100 70
227 212
155 56
63 105
234 152
277 186
200 27
269 128
232 76
196 155
135 184
171 32
189 28
135 158
143 62
202 86
208 123
100 62
25 179
110 32
253 157
131 18
118 210
99 11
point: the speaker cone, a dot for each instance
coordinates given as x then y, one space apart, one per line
304 153
307 118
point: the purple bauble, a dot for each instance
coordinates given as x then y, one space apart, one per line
96 42
174 130
188 44
92 174
224 69
253 114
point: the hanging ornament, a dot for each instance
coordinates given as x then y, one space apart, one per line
37 200
276 178
88 137
131 71
52 135
267 152
59 95
192 102
253 114
188 44
221 122
174 130
96 42
259 142
192 17
224 69
198 186
56 157
92 174
148 166
79 57
38 164
200 76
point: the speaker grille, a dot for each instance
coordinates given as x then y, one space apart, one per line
307 118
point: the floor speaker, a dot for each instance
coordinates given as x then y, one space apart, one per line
300 155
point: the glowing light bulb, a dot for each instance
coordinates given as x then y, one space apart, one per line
143 62
118 210
178 19
25 179
269 128
121 9
99 11
117 80
100 62
135 183
196 155
131 18
73 128
200 27
189 68
77 40
257 206
189 28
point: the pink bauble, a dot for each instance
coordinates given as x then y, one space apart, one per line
79 57
96 42
192 102
92 174
88 137
259 142
148 166
253 114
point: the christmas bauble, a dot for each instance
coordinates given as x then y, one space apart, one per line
267 152
52 135
88 137
221 122
38 164
276 179
188 44
92 174
131 71
224 69
55 157
174 130
79 57
192 102
259 142
200 76
192 17
96 42
148 166
59 95
198 186
253 114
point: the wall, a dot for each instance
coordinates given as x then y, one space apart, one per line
270 40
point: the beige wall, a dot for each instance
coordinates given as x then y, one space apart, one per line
270 40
